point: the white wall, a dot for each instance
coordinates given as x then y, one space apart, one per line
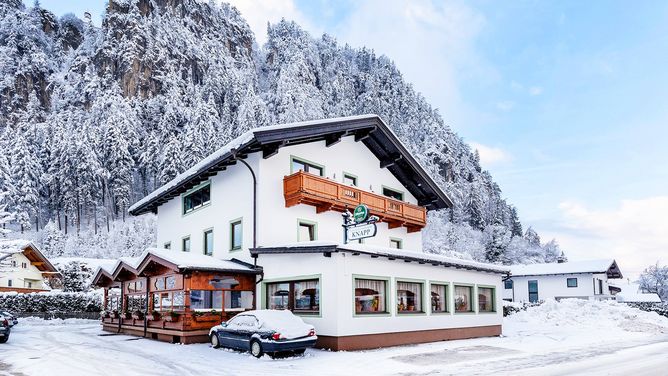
555 286
232 198
18 275
337 301
278 224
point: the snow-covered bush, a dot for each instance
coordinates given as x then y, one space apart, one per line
510 308
76 276
660 308
51 302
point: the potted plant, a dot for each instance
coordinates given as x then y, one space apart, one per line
114 314
206 315
104 314
155 315
138 315
172 316
127 315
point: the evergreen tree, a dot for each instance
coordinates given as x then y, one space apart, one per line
532 237
25 193
171 164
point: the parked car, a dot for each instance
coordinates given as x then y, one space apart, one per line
264 332
5 329
10 317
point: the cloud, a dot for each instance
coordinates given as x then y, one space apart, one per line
535 90
635 233
505 105
259 12
490 155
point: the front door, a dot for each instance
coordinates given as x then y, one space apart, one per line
533 291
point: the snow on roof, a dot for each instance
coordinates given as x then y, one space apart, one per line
387 251
572 267
234 144
14 245
187 260
631 293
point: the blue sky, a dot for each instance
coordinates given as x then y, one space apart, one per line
566 101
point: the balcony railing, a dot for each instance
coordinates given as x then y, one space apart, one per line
326 194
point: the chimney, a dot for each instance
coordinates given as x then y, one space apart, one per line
562 259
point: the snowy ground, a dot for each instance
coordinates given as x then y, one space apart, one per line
572 337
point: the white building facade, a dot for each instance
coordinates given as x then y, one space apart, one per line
580 279
25 269
275 197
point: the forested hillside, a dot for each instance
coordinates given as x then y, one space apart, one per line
93 118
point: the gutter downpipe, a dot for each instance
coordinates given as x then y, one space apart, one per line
254 203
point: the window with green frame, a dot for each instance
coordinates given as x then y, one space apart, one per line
197 198
463 298
236 235
310 167
307 231
439 298
486 301
396 243
349 179
392 193
208 242
185 244
167 245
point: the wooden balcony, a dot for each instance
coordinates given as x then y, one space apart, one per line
326 194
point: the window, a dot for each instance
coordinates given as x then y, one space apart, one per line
389 192
533 291
238 300
168 301
167 245
439 298
572 282
409 297
208 242
600 286
463 299
196 199
370 296
136 302
236 237
307 231
311 168
24 265
486 299
349 179
205 299
28 284
297 296
185 244
14 263
508 284
9 283
396 243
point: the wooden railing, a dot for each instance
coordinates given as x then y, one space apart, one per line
326 194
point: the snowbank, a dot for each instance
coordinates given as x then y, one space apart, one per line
38 321
591 314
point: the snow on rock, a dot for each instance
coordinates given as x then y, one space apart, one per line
579 313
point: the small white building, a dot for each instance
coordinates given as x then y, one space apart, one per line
23 268
274 197
632 293
577 279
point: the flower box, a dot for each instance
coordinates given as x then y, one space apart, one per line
207 318
171 317
138 316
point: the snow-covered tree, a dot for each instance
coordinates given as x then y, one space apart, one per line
654 279
25 175
171 164
76 276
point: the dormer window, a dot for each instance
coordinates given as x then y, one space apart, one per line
393 193
306 166
197 198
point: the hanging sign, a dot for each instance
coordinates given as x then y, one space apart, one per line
361 213
361 231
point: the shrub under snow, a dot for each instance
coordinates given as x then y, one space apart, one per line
51 302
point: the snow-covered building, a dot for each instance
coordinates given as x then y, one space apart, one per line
23 268
632 293
274 198
562 280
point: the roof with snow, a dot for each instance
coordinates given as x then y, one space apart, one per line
193 261
608 266
384 252
31 252
632 293
369 129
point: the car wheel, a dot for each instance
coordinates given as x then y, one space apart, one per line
215 342
299 352
4 338
256 349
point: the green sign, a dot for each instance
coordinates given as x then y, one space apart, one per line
361 213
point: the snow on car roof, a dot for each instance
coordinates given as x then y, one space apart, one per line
571 267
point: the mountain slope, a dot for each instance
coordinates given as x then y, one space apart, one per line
111 113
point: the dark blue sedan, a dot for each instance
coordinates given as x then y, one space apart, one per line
264 332
5 329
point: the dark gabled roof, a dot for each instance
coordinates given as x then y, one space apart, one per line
384 252
369 129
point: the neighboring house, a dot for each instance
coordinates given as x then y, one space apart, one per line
632 293
274 197
577 279
24 268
